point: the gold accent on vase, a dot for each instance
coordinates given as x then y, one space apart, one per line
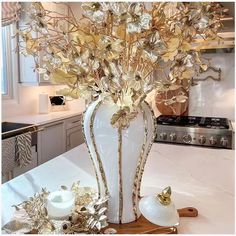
164 196
136 178
90 155
149 147
123 117
120 174
95 147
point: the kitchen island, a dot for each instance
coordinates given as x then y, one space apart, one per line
200 177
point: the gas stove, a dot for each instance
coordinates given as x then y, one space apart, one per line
194 130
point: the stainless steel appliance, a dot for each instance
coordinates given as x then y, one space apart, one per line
193 130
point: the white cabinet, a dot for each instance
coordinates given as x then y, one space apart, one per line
51 141
74 134
59 137
54 139
74 138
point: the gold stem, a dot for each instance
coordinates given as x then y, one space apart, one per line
136 187
95 147
120 174
149 146
94 166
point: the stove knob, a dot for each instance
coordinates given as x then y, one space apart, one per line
202 139
173 136
163 136
213 140
224 142
187 138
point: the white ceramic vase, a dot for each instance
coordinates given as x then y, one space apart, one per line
119 157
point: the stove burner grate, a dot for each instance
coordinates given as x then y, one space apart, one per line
194 121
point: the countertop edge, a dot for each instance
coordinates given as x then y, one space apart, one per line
42 119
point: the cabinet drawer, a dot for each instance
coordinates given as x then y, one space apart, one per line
73 122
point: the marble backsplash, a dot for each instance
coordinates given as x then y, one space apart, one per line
215 98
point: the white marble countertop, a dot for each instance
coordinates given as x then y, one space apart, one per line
40 119
199 177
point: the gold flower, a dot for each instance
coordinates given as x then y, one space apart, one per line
153 46
183 67
94 11
110 49
137 19
121 119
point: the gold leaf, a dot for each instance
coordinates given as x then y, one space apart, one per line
181 98
204 67
121 31
173 44
68 92
188 74
186 46
59 77
169 56
177 30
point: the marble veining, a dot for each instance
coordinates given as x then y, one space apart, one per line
215 98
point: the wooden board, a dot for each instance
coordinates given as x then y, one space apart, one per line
142 226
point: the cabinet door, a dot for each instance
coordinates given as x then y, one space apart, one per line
74 137
51 141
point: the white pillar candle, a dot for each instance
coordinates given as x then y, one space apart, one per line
60 203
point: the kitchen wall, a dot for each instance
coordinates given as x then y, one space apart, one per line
27 102
216 98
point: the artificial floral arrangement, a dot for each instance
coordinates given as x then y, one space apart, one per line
111 53
114 48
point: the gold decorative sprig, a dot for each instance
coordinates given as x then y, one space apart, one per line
89 215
